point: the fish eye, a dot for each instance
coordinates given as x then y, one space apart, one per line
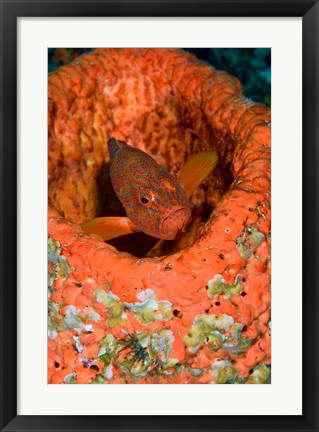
144 200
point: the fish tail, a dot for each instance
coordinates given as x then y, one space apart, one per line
196 170
109 227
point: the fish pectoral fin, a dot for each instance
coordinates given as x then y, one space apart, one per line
109 227
196 170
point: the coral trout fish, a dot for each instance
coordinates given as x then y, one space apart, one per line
155 202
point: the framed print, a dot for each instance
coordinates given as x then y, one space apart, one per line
161 180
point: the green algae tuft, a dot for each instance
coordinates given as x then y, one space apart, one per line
260 375
217 332
74 319
58 264
217 286
150 309
146 353
108 347
249 241
224 372
114 306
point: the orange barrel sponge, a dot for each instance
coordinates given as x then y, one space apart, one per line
195 310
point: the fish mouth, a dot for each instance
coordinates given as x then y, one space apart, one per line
175 223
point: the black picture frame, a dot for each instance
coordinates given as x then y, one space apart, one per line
10 11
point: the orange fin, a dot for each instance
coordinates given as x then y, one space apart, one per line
109 227
196 170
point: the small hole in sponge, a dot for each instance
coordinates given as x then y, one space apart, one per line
177 313
95 368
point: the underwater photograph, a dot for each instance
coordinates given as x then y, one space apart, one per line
159 204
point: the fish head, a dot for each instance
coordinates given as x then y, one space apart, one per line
175 222
153 199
